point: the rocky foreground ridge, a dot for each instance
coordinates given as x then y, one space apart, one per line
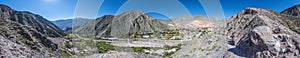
23 34
262 33
253 33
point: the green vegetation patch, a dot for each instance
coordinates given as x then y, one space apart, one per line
104 47
68 36
172 47
65 54
140 49
168 54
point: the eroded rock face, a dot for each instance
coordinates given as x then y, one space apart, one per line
122 26
17 37
259 33
5 11
263 37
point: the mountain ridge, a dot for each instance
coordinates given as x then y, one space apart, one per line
261 33
25 17
68 24
123 26
23 33
136 22
294 10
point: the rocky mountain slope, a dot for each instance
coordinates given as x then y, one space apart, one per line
29 19
135 22
23 34
99 27
123 25
68 24
261 33
292 18
294 10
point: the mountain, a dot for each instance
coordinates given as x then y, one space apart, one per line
70 23
294 11
135 22
24 34
262 33
99 27
29 19
188 19
194 22
123 26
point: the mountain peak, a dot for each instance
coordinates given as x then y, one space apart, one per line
134 12
105 16
5 11
297 5
294 10
252 11
4 6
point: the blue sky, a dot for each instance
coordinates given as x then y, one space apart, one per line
63 9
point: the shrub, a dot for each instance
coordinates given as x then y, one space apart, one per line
168 36
167 54
68 45
140 49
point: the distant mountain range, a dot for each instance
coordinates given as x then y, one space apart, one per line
194 22
294 11
137 22
68 24
123 25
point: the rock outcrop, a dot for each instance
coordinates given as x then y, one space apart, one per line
18 39
261 33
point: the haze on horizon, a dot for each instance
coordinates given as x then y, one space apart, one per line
65 9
